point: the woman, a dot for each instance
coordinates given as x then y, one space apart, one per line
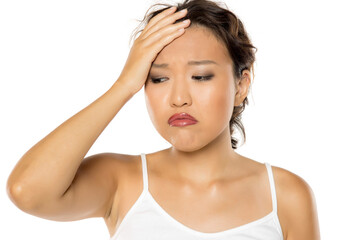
195 63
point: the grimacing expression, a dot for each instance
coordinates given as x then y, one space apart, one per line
192 74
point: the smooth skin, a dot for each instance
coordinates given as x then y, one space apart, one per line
200 181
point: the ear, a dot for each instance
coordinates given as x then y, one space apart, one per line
242 87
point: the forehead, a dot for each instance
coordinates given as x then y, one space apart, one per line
197 43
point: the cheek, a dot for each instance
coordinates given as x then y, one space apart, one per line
219 102
154 104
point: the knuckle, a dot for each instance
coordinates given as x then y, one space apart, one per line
157 34
167 38
155 28
181 13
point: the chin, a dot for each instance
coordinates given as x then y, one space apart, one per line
187 146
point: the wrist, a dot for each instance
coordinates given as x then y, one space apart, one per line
121 89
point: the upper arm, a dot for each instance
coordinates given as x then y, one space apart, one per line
90 193
296 206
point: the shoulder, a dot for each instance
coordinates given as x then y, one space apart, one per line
110 164
296 205
294 186
109 159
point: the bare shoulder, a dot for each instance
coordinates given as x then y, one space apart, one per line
110 167
294 186
296 206
110 158
111 162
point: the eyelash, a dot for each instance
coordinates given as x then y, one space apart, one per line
202 78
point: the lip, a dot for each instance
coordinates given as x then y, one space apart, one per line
181 119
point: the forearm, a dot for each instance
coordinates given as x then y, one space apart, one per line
48 168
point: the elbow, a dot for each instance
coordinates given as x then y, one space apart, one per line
19 196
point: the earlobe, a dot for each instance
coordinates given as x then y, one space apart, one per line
242 87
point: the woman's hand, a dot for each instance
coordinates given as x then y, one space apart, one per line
159 32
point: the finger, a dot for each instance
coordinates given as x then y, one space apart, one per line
158 17
163 32
159 45
169 19
164 22
166 35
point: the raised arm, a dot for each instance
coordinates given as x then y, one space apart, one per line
44 174
52 179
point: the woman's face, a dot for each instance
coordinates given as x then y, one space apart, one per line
173 87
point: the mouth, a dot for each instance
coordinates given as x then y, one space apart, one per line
181 119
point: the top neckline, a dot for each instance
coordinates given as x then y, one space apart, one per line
208 234
242 227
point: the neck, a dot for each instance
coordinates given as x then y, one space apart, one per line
207 164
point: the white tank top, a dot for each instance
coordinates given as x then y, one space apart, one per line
147 220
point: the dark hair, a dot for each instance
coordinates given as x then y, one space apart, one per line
226 27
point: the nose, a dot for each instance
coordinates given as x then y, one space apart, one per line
180 93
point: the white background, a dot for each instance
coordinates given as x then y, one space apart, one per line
56 57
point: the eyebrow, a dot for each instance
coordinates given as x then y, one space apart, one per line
202 62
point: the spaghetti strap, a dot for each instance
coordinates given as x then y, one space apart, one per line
272 186
144 171
146 219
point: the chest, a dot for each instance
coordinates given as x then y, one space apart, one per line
216 208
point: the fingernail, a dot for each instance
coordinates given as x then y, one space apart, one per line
184 10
